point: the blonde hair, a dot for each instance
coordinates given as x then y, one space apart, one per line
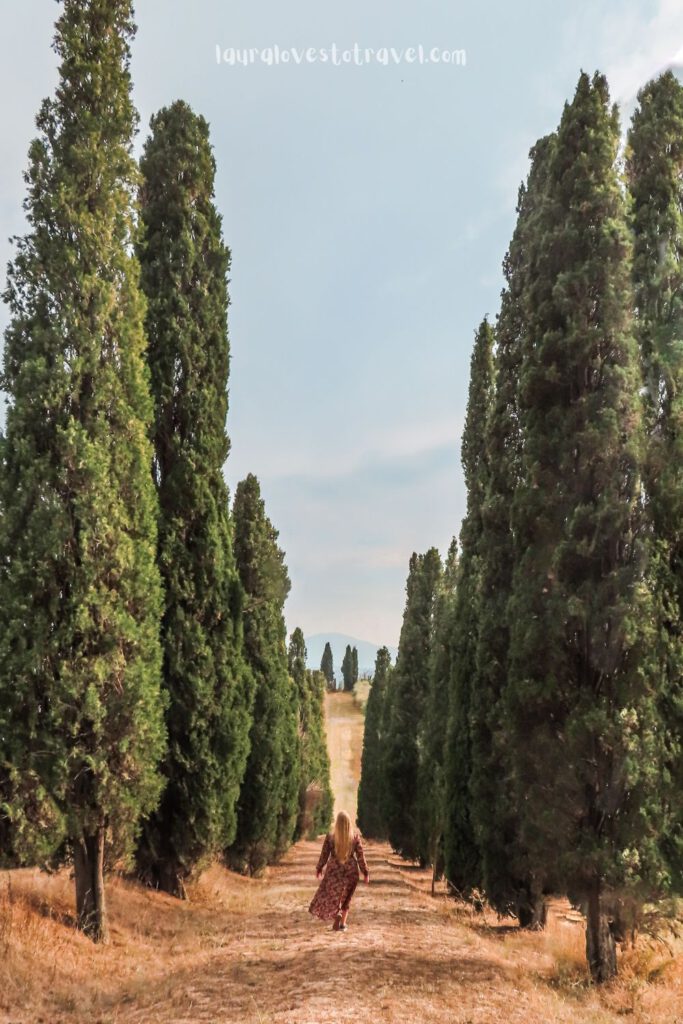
342 837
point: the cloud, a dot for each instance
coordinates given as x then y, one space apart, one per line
639 48
356 526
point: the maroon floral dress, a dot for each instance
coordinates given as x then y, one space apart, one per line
339 881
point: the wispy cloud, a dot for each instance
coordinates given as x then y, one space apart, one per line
348 548
638 46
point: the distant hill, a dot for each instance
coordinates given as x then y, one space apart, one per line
367 652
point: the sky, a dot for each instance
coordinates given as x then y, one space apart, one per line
368 208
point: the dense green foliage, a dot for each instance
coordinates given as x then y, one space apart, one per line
315 794
81 715
504 872
654 166
434 723
582 677
462 858
269 798
327 666
553 650
370 790
184 266
347 669
407 703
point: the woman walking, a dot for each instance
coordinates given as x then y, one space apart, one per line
343 853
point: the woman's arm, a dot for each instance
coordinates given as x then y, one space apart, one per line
324 856
360 857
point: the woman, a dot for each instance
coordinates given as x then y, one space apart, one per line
343 853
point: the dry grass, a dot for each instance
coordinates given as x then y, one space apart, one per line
344 724
49 972
245 951
361 692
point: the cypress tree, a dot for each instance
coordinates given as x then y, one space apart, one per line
431 801
505 876
408 704
462 860
268 801
655 159
81 720
347 669
209 688
317 760
354 667
581 702
315 794
327 666
371 788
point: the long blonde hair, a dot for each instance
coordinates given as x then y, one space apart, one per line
342 837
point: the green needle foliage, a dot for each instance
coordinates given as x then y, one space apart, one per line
371 786
462 859
81 716
208 684
269 798
347 669
582 708
327 666
315 793
407 705
354 667
504 871
655 159
432 742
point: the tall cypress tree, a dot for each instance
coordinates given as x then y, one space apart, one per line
462 860
354 666
347 669
268 803
408 703
184 266
505 875
315 794
581 703
81 720
317 759
327 666
655 159
371 785
432 744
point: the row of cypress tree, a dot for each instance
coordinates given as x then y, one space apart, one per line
349 668
150 712
528 740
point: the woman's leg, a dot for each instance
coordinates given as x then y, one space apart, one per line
346 902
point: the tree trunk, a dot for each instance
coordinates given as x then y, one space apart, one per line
171 879
601 949
91 911
532 910
435 863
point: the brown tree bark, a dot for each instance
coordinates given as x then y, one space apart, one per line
601 948
170 878
91 910
532 910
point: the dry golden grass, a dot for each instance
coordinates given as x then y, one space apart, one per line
245 951
361 692
344 724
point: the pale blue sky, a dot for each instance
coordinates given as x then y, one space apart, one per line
368 210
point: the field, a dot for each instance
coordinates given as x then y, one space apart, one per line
245 951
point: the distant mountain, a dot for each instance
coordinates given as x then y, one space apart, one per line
367 652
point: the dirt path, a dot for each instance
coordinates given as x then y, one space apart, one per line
246 951
344 724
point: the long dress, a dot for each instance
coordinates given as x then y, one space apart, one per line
339 881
